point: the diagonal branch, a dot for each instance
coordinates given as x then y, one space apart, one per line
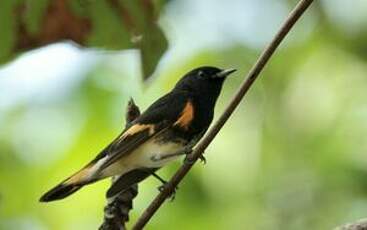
116 212
203 144
357 225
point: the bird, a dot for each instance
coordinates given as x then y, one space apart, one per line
169 128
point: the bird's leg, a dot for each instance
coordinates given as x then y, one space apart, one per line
164 183
190 161
192 144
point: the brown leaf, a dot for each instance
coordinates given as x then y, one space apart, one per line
107 24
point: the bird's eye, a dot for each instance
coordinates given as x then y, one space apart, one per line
201 74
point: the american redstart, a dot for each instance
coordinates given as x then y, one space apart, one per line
167 129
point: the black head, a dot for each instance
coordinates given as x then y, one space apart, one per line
203 85
204 80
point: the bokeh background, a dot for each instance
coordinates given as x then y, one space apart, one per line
292 156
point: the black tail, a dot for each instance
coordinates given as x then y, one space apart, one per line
128 179
59 192
69 186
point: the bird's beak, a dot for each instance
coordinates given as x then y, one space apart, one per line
224 73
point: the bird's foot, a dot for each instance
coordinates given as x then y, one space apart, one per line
187 150
164 185
172 194
202 159
189 160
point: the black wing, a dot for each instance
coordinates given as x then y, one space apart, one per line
160 116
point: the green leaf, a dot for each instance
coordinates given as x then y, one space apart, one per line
106 24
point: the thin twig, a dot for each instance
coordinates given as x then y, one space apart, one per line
116 212
203 144
357 225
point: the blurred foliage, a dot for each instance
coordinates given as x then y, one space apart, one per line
107 24
292 156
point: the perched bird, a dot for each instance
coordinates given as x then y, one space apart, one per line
170 127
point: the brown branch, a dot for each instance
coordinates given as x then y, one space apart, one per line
116 212
203 144
358 225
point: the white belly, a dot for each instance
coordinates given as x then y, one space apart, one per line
144 157
146 154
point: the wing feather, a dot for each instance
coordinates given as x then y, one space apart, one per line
159 117
125 145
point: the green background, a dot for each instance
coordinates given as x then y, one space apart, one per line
292 156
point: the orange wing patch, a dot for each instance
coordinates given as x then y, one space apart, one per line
186 116
138 128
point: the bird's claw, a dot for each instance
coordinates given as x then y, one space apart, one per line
189 160
172 195
202 159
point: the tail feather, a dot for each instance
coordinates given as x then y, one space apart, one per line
59 192
69 186
89 174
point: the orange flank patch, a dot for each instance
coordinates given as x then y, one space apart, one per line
186 116
138 128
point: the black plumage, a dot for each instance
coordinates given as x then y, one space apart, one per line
171 124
